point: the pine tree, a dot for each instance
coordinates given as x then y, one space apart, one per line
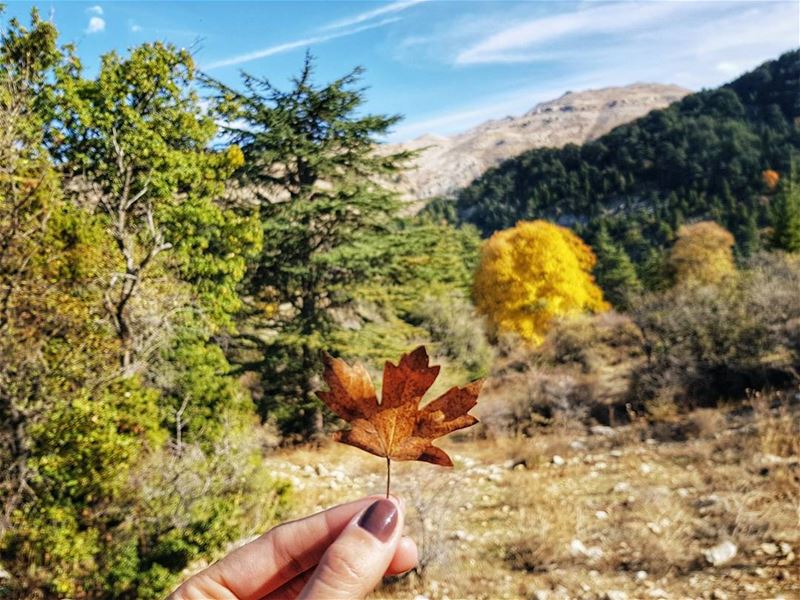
615 272
310 159
786 218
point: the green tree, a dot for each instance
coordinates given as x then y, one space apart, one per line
136 140
615 272
786 218
111 486
310 160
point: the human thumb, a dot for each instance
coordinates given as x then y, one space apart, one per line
355 563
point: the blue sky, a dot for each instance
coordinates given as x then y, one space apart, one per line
448 65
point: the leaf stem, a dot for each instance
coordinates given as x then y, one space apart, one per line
388 475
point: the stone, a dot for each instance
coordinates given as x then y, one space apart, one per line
578 548
615 595
707 501
721 553
602 430
769 548
623 487
460 534
719 595
601 515
645 469
654 527
641 575
337 474
657 593
557 460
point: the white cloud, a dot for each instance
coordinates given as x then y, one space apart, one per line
516 43
693 53
96 25
341 28
393 7
288 46
95 10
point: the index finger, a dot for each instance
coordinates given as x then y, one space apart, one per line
271 560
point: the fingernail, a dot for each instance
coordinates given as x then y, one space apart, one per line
380 519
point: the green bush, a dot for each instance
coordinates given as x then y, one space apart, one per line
456 330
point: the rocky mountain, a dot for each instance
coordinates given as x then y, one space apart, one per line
446 164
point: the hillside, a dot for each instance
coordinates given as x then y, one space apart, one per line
702 157
446 164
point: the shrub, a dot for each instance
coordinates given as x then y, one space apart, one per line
584 368
709 342
703 253
456 330
689 346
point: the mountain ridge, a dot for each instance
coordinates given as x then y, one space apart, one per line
446 164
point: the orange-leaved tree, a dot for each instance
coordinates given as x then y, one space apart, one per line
532 273
771 179
703 253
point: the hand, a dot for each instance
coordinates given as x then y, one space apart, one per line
342 553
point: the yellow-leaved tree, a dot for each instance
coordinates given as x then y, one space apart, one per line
532 273
703 253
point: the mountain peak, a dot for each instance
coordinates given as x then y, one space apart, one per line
448 163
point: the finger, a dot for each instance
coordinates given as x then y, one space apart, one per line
355 563
274 558
405 559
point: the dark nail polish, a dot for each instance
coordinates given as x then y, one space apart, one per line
380 519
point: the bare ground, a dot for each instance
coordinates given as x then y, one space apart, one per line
569 514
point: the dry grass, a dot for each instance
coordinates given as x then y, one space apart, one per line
619 513
777 425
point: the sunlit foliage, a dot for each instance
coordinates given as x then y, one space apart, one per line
703 253
533 273
770 179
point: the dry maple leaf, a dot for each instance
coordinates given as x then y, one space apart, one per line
396 428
